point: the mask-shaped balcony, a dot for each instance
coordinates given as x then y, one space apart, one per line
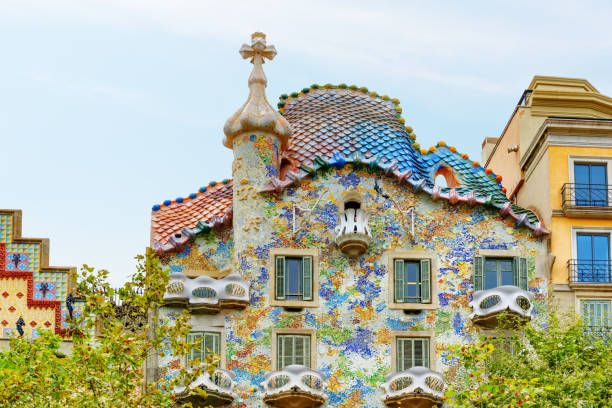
353 235
488 305
417 387
205 294
219 389
295 386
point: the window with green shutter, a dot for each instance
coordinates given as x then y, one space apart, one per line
412 352
207 343
292 349
293 278
492 272
412 281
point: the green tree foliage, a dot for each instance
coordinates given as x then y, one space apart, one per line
106 366
560 363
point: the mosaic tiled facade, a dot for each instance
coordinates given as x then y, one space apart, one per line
29 288
289 190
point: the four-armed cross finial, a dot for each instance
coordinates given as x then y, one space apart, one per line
258 47
258 52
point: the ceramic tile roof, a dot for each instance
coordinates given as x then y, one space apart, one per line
176 220
329 121
332 126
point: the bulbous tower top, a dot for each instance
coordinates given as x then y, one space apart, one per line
257 114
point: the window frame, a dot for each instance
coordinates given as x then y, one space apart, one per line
222 346
609 301
433 279
501 253
294 252
413 334
275 332
574 159
574 255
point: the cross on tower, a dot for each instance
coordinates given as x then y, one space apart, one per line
258 47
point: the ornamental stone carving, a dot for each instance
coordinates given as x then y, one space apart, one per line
417 387
205 294
489 304
294 386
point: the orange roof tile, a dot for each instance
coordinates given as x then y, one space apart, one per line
171 217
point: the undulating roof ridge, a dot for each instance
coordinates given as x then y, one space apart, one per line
334 125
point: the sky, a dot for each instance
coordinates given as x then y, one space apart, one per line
109 107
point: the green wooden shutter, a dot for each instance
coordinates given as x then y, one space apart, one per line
280 352
478 273
280 277
400 354
399 280
425 281
523 277
425 349
307 351
301 350
307 277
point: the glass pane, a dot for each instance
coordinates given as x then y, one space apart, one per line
601 247
293 278
598 174
418 353
407 344
490 274
507 276
581 174
585 248
412 280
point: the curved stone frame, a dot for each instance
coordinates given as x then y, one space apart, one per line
219 396
507 296
433 361
180 288
286 330
413 256
295 393
274 252
417 394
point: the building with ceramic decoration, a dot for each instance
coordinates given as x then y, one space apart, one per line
32 293
333 269
555 155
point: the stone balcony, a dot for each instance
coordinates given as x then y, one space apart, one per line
488 305
353 235
205 294
295 386
417 387
219 389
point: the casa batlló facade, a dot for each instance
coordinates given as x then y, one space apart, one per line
331 269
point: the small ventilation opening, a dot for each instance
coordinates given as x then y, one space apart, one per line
445 178
355 205
440 181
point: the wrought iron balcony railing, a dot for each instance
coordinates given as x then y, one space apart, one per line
599 333
586 195
589 271
294 386
415 387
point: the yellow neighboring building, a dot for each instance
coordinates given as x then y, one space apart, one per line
555 157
